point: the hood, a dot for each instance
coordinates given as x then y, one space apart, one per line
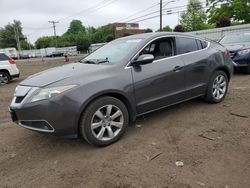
237 47
65 72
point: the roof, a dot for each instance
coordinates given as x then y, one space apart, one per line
159 34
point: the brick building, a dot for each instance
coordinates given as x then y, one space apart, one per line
124 29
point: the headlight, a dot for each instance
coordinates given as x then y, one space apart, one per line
244 52
50 92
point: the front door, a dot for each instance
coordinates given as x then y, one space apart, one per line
160 83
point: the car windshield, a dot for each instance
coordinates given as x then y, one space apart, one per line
236 38
112 52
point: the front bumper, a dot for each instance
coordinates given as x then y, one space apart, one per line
241 61
58 115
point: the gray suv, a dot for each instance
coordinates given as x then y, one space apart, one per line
97 97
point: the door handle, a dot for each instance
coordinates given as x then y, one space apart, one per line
177 68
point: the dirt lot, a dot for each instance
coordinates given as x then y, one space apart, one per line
212 141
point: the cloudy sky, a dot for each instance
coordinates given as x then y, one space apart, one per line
35 14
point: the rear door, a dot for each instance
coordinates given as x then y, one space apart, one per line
195 56
160 83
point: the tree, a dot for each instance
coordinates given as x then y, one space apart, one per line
109 38
76 27
44 42
167 28
8 36
179 28
236 10
223 21
194 18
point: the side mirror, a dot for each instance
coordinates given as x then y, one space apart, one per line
144 59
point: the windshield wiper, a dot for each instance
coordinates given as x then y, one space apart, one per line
95 61
106 60
88 61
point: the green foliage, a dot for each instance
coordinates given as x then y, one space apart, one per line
100 34
76 27
25 45
167 28
8 36
44 42
236 10
194 18
76 35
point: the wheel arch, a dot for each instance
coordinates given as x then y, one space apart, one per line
6 71
224 69
116 94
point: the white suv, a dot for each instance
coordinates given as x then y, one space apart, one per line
8 69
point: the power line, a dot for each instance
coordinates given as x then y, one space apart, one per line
140 11
142 16
167 11
90 9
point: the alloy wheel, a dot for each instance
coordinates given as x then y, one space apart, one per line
107 122
219 87
3 79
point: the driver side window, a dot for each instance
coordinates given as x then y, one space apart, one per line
160 48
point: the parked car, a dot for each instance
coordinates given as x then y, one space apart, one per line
128 77
8 69
55 54
238 45
24 56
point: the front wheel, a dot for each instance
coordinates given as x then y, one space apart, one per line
248 69
217 87
104 121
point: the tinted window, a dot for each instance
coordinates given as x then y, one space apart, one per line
185 45
4 57
199 44
204 44
160 48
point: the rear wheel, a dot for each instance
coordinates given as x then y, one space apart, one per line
217 87
4 78
104 121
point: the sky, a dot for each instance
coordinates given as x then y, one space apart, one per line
35 14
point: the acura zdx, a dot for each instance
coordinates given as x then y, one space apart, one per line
98 96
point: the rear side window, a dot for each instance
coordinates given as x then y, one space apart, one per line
4 57
200 47
186 45
204 44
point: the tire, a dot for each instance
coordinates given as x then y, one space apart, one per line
104 121
217 87
248 69
4 78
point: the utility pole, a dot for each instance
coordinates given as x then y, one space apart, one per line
160 15
54 27
17 39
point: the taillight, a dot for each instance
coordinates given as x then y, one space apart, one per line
12 61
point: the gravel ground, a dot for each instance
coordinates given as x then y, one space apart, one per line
211 144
